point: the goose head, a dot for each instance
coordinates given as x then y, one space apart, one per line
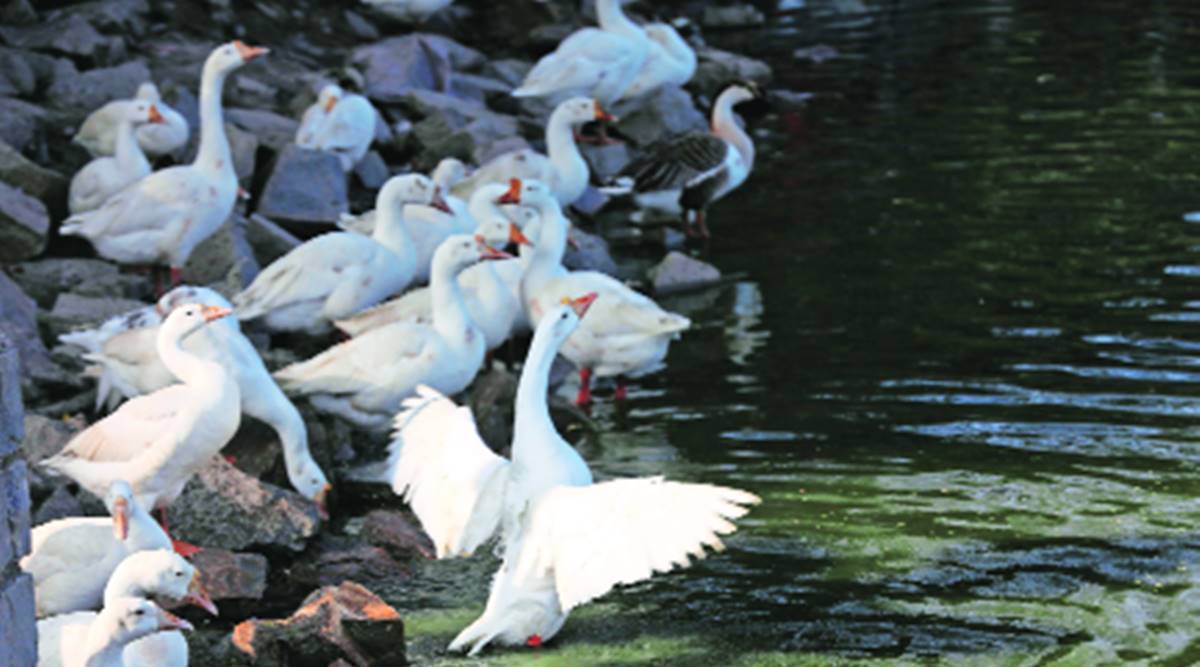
163 575
311 482
119 502
188 318
329 97
135 618
141 111
228 57
736 92
148 92
499 232
400 191
529 193
449 172
561 321
185 294
580 110
459 251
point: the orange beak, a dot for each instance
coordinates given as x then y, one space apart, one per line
243 194
155 116
513 196
604 116
581 305
515 235
197 596
319 499
488 252
249 53
169 621
330 104
438 202
121 518
215 313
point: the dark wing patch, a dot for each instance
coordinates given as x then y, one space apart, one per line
674 163
699 192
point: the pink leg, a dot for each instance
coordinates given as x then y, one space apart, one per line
621 393
700 223
185 549
585 387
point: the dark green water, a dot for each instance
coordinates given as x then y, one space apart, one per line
962 369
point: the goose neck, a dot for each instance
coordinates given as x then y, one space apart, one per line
532 423
563 151
129 155
391 232
214 153
189 368
450 316
725 126
101 648
611 18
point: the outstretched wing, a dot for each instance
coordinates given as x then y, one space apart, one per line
677 163
593 538
454 483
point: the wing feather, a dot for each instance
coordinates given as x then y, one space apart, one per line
677 162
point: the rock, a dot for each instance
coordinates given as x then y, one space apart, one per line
21 72
22 123
18 321
334 559
398 65
225 508
231 576
397 533
24 225
45 437
592 254
361 27
512 72
817 53
677 272
478 88
591 201
268 240
371 171
244 146
731 16
450 126
716 68
47 185
68 35
82 93
45 279
346 622
59 505
667 112
492 396
12 410
272 130
115 16
73 310
604 162
225 258
305 186
18 12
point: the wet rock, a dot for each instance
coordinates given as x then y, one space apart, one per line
399 65
492 396
18 321
81 93
397 533
223 507
268 240
71 311
334 559
677 272
305 186
817 53
22 124
244 147
45 279
716 68
224 260
371 171
789 98
18 12
59 505
731 16
591 255
21 72
115 16
227 575
665 113
361 27
24 225
272 130
69 35
450 126
346 622
37 181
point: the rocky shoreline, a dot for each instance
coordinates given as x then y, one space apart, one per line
268 553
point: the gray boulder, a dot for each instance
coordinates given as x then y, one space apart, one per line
244 147
22 72
272 130
82 93
224 260
268 240
18 171
22 124
716 68
69 35
18 321
225 508
305 186
45 279
371 171
731 16
398 65
24 225
397 533
678 272
591 255
227 575
665 113
60 504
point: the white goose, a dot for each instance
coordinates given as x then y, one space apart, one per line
365 378
129 366
163 217
491 290
338 274
565 539
102 642
315 115
98 134
159 575
348 127
447 173
669 62
599 63
158 441
685 174
627 336
105 176
71 559
564 170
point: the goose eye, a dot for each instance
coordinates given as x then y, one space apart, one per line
139 612
179 573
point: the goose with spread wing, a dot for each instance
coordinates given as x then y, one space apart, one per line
685 174
565 539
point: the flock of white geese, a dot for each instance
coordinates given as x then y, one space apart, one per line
181 373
